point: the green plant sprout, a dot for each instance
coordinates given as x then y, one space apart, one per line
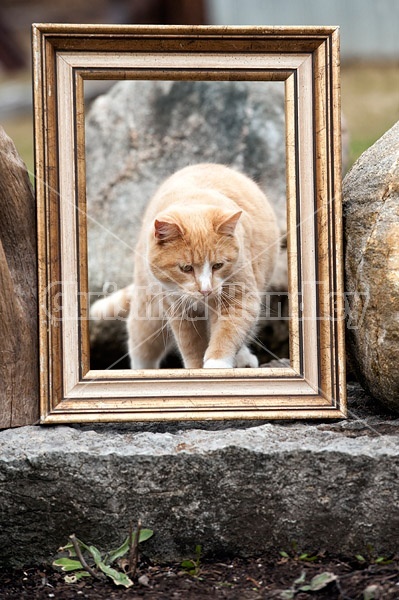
192 566
317 583
296 554
87 561
372 558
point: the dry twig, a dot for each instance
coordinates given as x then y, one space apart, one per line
81 557
133 549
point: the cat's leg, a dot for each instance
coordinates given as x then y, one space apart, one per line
192 340
231 326
148 335
147 343
245 358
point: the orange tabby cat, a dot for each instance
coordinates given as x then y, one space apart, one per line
205 254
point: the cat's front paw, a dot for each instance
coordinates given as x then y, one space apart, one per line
218 363
245 359
100 310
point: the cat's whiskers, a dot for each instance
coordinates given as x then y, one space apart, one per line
229 300
180 310
171 297
184 312
181 306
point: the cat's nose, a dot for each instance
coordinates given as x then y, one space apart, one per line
206 292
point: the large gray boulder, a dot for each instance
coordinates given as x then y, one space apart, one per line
141 132
371 211
236 488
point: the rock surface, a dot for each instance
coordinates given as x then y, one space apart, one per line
140 133
240 489
371 211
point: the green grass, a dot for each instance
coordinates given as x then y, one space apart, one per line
20 130
370 103
358 145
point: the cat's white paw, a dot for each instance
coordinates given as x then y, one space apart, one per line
113 306
137 362
245 359
99 310
218 363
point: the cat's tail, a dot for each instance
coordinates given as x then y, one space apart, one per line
114 306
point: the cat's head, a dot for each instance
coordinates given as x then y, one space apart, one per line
194 249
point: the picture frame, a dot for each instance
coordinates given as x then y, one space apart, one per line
307 60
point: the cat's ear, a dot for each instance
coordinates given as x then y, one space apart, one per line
165 230
226 225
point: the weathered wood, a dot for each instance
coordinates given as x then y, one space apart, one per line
19 388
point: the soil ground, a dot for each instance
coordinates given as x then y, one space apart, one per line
238 579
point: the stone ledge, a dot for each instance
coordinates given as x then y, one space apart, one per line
235 488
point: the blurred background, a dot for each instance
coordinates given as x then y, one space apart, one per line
369 49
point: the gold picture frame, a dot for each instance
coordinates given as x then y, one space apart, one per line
307 60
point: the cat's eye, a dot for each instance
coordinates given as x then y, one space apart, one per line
217 266
186 268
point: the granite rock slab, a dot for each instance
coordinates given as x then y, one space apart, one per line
236 488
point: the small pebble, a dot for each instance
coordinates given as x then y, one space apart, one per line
143 580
